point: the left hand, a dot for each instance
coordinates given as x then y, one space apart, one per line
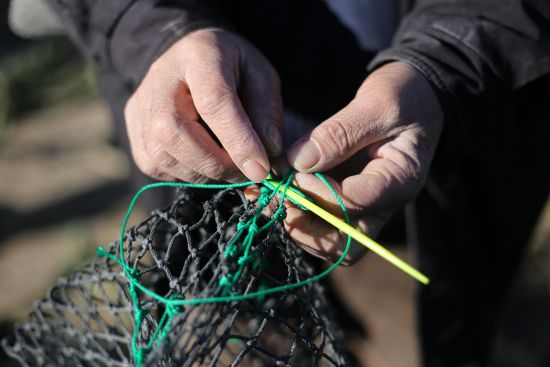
377 153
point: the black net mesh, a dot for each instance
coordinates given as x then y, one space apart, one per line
87 319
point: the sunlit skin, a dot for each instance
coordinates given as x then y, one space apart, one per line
376 151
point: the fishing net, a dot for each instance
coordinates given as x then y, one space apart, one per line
176 294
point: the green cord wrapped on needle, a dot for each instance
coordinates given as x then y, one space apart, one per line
302 201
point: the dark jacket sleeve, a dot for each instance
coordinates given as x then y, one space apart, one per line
476 53
124 37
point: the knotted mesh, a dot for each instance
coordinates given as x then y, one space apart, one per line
181 252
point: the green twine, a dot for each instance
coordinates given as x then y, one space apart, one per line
249 229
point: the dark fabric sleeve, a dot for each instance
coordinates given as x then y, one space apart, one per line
476 54
124 37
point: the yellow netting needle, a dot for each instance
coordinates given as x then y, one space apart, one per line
354 233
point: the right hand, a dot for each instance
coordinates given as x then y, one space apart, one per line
209 80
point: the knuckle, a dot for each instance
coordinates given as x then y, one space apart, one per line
211 100
142 160
335 136
161 132
210 167
167 132
161 158
192 176
412 177
238 143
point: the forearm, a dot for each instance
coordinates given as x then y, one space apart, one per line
126 36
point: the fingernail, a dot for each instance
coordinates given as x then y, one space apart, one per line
254 170
276 142
304 156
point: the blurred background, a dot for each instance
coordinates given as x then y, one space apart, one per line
63 182
64 187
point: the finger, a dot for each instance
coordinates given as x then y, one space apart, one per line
390 180
189 152
215 97
134 126
316 235
262 100
147 166
165 162
338 138
173 136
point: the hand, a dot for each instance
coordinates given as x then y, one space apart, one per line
377 150
209 80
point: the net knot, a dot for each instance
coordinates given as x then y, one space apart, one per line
174 283
280 215
172 309
243 259
241 226
263 200
253 228
226 281
134 272
229 252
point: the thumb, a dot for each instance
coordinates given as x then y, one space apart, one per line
336 139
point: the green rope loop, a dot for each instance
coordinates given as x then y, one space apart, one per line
173 304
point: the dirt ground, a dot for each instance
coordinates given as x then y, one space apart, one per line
56 167
63 191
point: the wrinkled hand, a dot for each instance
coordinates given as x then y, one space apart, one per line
209 80
377 151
